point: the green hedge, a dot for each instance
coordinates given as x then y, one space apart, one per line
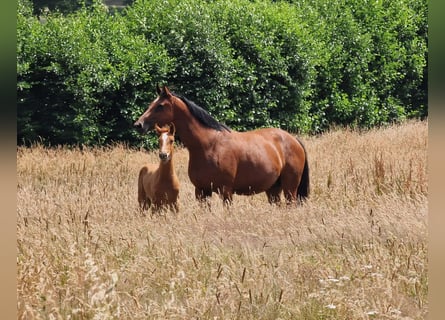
83 78
374 61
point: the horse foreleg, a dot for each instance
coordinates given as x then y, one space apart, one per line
289 183
146 203
226 195
273 197
203 195
273 193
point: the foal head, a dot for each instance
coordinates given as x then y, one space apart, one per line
166 138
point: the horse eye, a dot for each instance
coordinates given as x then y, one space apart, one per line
159 107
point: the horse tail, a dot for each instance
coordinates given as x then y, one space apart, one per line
303 187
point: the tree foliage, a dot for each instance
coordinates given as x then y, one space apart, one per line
84 77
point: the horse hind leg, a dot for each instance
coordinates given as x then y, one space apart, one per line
290 195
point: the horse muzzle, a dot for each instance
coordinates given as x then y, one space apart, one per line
141 127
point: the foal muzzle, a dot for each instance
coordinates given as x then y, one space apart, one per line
164 156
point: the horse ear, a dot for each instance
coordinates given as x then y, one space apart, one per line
172 129
166 92
158 89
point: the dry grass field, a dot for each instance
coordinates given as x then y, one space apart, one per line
357 249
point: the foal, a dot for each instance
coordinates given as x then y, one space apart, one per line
158 185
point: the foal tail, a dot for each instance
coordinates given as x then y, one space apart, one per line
141 192
303 187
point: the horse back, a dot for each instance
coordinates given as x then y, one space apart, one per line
285 143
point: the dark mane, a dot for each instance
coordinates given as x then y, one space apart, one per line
202 115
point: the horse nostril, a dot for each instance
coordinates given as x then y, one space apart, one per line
139 126
162 156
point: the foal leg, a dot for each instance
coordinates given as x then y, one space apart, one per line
144 201
157 208
144 204
174 207
142 196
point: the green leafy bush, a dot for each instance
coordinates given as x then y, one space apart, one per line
303 65
374 61
82 78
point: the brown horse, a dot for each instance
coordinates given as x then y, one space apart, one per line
158 185
225 161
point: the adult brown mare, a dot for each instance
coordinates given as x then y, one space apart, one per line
225 161
158 185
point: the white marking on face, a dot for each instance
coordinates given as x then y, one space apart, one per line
164 138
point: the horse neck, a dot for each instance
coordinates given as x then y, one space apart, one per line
193 135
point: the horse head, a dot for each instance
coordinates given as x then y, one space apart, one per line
159 111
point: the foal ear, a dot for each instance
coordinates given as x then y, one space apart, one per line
157 128
172 128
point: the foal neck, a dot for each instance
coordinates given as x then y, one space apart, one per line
166 168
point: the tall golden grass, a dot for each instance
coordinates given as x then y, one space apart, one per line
356 250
